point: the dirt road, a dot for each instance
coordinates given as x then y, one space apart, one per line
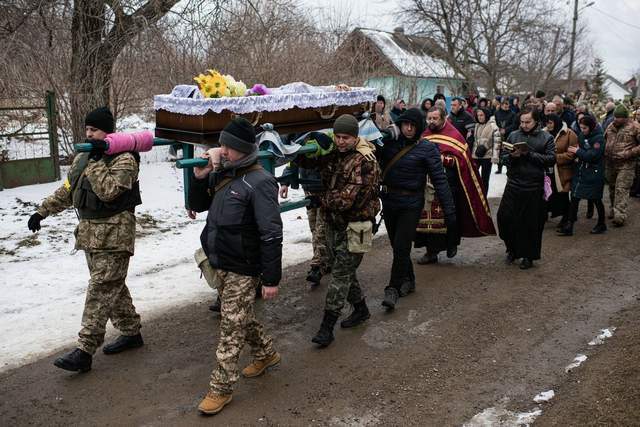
477 334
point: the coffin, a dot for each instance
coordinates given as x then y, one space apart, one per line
292 108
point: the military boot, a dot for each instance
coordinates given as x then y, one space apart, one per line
76 361
314 276
214 402
407 287
124 342
359 314
257 367
390 298
324 337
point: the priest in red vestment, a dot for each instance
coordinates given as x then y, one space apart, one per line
472 209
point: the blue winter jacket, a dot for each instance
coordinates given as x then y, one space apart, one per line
588 181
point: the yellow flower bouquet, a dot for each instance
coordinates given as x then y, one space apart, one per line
215 85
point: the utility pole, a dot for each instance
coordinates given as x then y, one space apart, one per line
573 43
573 38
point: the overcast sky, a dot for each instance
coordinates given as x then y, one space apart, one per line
613 40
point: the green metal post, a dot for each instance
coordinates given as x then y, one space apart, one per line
187 153
52 123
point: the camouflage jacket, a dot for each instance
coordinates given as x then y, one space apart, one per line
623 143
351 180
115 233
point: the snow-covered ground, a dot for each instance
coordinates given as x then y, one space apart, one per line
43 281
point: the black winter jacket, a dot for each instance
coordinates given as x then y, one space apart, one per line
464 123
410 174
506 120
243 233
527 172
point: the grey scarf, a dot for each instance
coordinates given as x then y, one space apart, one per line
250 159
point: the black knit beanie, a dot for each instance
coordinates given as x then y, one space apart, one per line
240 135
346 124
100 118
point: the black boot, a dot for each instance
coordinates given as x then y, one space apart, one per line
216 306
324 337
124 342
599 229
390 298
314 276
359 314
428 259
407 287
76 361
451 252
510 258
567 230
526 264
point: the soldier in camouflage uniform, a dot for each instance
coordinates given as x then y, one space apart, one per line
242 241
104 190
622 151
320 264
351 176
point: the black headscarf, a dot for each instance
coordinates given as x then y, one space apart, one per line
557 123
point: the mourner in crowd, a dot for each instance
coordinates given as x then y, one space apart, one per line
621 155
522 211
104 191
398 108
564 139
486 150
406 161
425 105
351 176
242 240
381 116
473 217
506 121
462 120
588 180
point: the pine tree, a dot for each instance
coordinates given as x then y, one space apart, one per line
598 74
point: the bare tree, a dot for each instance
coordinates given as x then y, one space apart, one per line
494 43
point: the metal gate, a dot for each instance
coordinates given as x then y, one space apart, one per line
30 154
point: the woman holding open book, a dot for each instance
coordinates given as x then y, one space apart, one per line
528 152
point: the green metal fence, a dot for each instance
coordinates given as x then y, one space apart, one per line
32 169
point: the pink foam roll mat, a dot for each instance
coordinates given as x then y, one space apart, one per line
120 142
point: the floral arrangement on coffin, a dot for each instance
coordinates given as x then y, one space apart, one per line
215 85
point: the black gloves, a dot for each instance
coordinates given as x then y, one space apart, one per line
34 222
314 202
98 147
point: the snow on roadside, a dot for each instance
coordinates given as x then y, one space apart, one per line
43 282
544 396
604 334
500 416
577 361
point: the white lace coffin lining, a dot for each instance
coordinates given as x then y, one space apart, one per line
285 97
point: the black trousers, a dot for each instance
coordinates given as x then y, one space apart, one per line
484 166
401 228
575 204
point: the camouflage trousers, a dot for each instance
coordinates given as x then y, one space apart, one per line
620 179
238 326
107 299
321 254
344 286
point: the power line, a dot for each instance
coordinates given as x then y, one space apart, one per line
616 18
